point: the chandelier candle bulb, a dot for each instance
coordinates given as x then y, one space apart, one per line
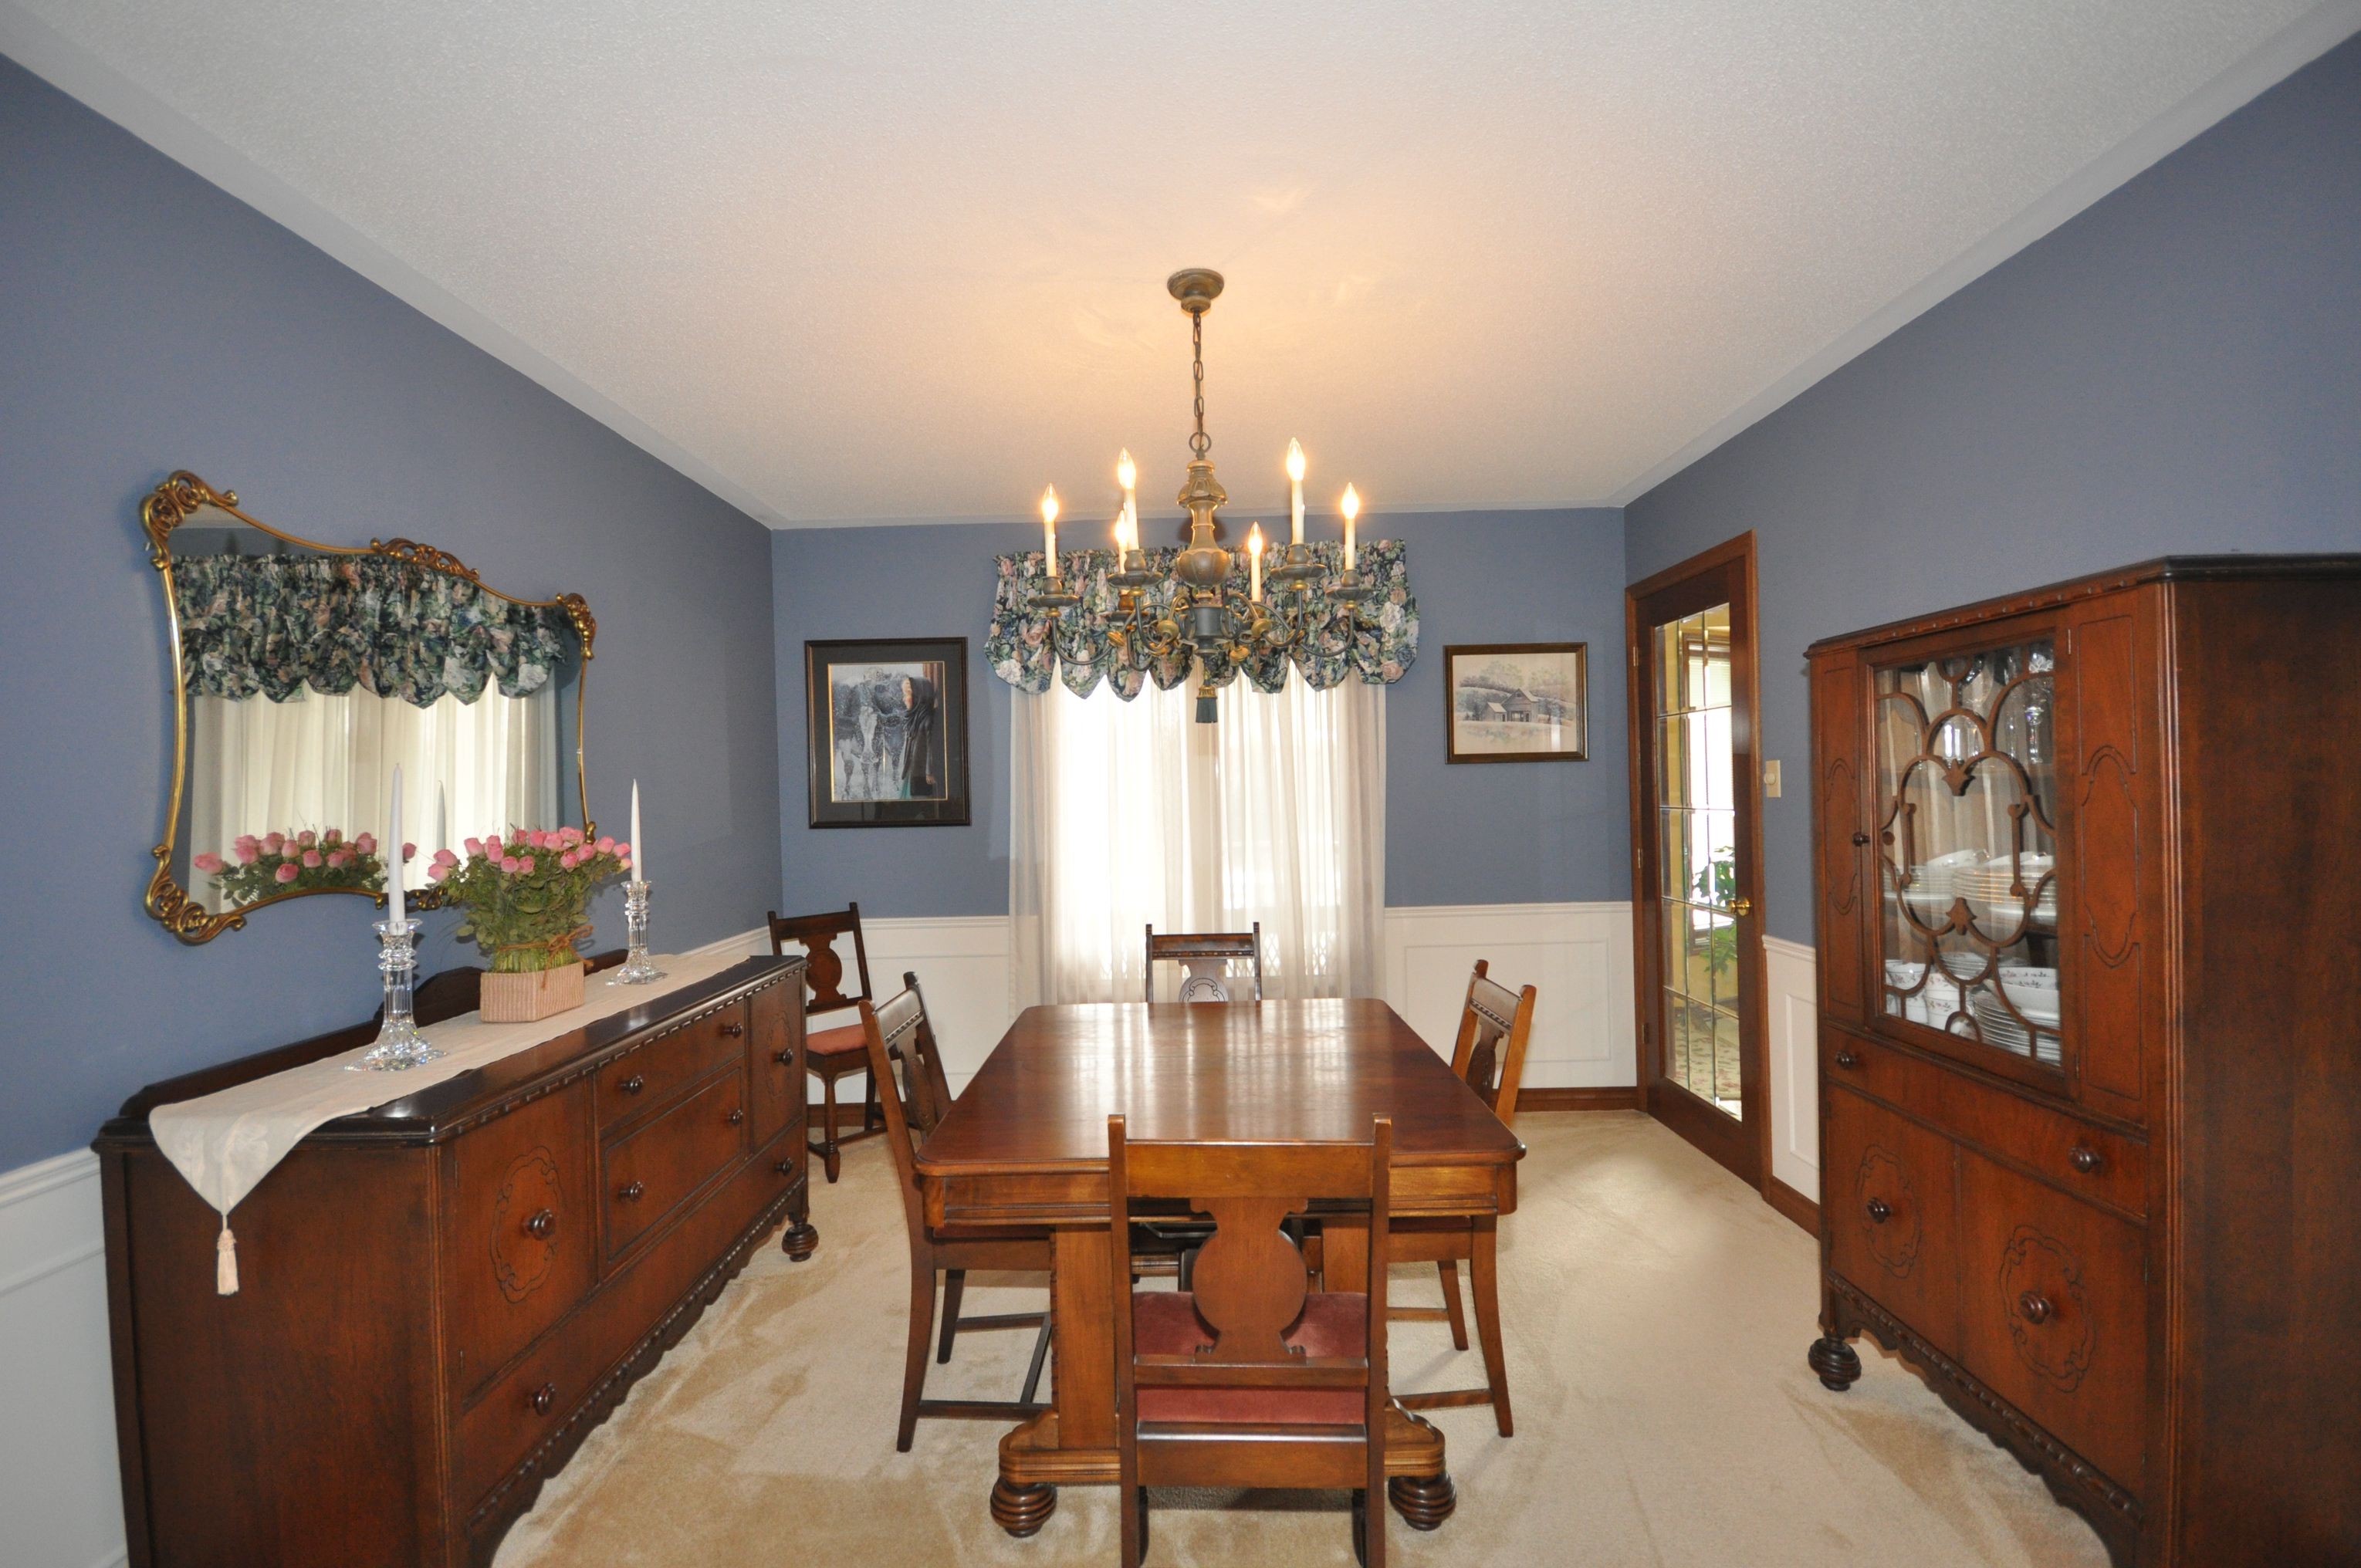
1352 508
1254 564
1050 529
1295 486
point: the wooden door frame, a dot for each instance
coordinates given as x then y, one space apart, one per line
1678 1108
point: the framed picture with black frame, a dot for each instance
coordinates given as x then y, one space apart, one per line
1517 702
885 732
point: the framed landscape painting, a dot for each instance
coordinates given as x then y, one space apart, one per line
1518 702
885 732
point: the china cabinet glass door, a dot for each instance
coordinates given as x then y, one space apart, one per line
1966 829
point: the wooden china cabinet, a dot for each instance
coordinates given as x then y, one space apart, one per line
2088 893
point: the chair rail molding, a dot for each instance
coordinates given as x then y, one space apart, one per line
60 1488
1791 1010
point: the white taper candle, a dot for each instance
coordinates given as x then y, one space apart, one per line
639 860
396 870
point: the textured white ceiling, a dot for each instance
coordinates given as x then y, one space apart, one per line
881 261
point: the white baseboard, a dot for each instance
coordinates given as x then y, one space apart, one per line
60 1489
1790 972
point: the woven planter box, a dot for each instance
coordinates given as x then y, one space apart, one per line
536 994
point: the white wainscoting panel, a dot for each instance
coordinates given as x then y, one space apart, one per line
1579 954
60 1490
1790 972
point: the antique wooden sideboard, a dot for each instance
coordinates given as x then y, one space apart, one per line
2089 878
443 1295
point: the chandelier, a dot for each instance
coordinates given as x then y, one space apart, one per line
1203 615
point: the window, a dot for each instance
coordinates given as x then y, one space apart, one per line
1127 814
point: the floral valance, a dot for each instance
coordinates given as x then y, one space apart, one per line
270 625
1375 640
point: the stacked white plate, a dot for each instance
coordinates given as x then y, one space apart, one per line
2033 993
1935 884
2000 914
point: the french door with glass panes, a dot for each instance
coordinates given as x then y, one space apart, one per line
1695 858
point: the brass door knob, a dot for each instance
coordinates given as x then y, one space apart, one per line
1879 1212
542 1226
1742 906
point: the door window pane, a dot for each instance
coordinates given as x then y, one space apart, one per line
1698 827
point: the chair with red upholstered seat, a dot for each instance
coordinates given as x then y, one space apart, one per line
836 1051
1251 1378
1494 1026
896 1036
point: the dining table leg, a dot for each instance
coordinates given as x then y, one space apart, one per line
1073 1442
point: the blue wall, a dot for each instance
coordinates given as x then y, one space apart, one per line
1455 835
153 322
2178 368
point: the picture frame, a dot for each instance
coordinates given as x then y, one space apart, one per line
885 731
1517 702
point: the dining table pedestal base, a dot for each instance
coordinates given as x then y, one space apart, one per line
1033 1467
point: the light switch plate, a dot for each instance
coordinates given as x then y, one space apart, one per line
1771 780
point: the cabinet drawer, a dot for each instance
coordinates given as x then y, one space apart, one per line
2087 1160
777 1059
651 1172
2053 1313
1888 1204
643 1081
529 1403
518 1250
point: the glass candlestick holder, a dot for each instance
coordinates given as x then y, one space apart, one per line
638 968
399 1045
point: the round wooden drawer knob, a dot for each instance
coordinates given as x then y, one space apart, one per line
736 1115
1861 837
2086 1159
542 1226
786 1057
544 1399
1847 1059
785 1168
633 1085
735 1031
2034 1307
634 1192
1878 1211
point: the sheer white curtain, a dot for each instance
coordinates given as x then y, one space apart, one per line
258 766
1125 814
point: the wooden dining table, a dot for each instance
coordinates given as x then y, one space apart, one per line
1026 1146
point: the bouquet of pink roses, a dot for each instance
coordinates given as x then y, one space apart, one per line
307 861
525 895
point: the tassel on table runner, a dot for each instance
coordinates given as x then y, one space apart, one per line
226 1261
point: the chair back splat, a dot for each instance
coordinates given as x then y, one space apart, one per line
1494 1028
1204 958
1251 1378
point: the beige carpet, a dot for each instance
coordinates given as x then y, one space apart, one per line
1657 1315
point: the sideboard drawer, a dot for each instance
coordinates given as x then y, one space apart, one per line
641 1081
2086 1159
1887 1198
519 1248
2053 1313
651 1172
515 1414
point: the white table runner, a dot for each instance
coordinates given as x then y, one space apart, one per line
225 1143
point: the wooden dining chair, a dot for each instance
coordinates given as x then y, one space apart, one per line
1251 1378
1495 1025
836 1051
1205 958
890 1036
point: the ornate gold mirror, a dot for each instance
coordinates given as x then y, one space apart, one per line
303 674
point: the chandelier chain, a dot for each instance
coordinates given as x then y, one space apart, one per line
1199 443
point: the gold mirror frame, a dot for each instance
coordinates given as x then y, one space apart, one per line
166 508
